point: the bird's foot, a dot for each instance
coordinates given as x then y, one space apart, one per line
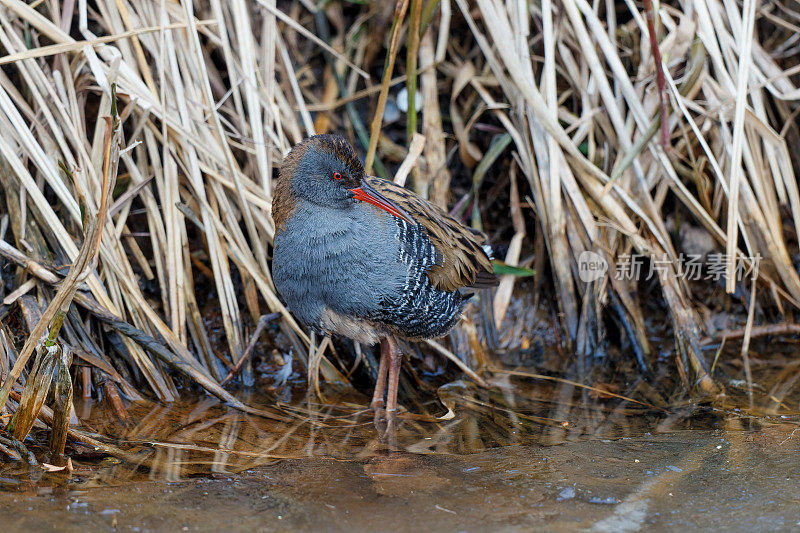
377 404
386 426
379 421
390 434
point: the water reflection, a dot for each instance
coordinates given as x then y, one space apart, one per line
200 436
676 480
542 444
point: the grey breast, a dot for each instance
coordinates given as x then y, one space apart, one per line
335 268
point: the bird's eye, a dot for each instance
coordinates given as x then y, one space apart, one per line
337 176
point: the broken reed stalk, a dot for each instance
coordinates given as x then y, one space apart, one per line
142 339
175 361
62 406
36 389
83 266
46 415
770 330
262 323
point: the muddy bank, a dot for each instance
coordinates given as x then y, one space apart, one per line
730 478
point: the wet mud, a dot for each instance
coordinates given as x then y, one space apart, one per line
210 468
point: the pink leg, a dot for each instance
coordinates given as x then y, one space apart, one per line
395 362
380 383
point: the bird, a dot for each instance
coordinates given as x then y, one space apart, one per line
367 259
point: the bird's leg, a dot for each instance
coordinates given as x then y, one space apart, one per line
395 362
380 383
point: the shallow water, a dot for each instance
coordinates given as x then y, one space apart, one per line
549 456
729 478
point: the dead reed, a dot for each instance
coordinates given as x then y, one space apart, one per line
561 128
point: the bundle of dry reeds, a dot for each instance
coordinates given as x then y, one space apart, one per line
595 126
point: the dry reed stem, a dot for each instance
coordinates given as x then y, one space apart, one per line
434 183
742 77
83 265
215 93
415 147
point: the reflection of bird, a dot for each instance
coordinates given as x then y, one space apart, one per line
362 257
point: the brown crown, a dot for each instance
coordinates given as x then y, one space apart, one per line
284 201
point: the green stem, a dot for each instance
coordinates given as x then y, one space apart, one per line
375 127
58 321
412 51
427 16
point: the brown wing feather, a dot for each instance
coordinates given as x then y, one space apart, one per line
464 263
